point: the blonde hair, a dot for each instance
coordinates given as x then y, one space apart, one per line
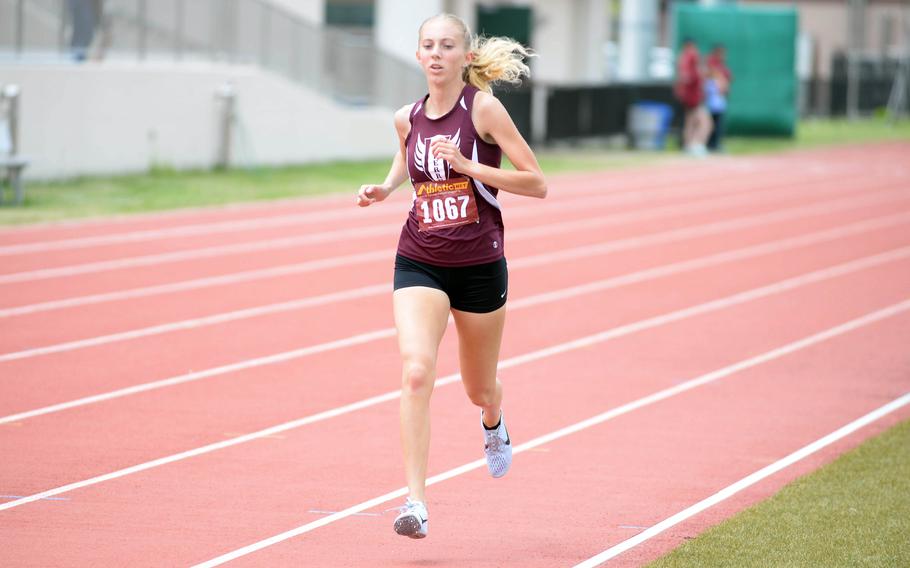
495 59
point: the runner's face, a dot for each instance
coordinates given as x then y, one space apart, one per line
441 50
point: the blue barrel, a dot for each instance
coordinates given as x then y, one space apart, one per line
649 123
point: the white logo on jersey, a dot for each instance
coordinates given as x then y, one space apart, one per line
436 169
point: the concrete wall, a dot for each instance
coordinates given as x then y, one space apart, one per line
117 118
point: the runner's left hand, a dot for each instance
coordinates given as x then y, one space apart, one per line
449 152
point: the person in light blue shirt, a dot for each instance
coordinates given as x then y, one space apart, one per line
717 85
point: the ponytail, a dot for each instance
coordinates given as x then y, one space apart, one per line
496 59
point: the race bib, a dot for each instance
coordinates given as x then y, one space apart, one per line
448 203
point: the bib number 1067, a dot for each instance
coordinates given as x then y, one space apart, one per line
448 203
447 209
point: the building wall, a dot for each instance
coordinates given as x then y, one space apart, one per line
312 11
397 22
117 118
568 35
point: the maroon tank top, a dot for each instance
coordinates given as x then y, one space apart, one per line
422 237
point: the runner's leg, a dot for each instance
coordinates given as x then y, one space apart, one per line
479 339
421 317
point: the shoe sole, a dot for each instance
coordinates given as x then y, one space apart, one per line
409 527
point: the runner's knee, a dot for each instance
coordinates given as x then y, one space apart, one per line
482 395
417 376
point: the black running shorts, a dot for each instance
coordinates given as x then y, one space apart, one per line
479 288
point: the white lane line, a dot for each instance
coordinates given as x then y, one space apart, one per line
746 482
232 278
195 254
346 234
845 204
116 220
709 203
207 373
195 323
720 258
334 200
343 212
376 289
590 422
566 347
220 227
838 270
696 231
671 171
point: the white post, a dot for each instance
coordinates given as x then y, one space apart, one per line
856 40
637 33
226 95
591 27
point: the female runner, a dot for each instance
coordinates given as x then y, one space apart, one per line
450 253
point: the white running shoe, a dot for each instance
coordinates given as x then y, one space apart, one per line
497 447
413 520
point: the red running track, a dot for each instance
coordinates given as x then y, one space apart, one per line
179 387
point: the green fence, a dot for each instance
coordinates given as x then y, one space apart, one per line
761 53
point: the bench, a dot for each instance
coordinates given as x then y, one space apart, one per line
10 162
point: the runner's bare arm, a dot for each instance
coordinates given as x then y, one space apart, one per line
493 123
398 173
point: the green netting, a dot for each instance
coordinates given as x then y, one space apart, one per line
761 53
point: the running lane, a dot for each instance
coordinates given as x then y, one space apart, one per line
197 508
119 432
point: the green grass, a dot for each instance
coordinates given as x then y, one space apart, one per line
818 133
164 189
853 512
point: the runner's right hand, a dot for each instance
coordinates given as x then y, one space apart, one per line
371 193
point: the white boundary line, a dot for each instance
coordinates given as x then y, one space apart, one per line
590 422
708 203
116 219
669 168
350 211
334 262
669 180
391 227
566 347
745 482
376 289
572 202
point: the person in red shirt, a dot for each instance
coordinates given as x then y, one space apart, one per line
451 250
689 90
